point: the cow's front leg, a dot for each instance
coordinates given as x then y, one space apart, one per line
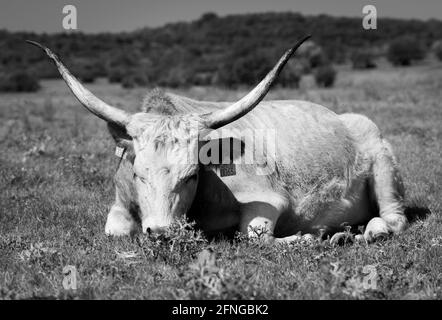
120 222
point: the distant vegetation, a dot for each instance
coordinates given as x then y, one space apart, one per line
437 47
18 81
225 51
325 76
363 59
404 50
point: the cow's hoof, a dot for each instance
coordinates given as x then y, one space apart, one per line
117 232
119 222
118 227
376 229
359 238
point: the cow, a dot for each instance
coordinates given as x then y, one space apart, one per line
326 171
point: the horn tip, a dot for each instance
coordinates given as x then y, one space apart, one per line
290 51
39 45
44 48
34 43
305 38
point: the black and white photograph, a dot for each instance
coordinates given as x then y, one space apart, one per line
243 151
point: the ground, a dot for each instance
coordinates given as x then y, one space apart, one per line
56 169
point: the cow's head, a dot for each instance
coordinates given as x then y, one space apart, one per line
165 146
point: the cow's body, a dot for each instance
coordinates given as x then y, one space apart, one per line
326 169
324 173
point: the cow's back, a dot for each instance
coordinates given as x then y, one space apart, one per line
313 147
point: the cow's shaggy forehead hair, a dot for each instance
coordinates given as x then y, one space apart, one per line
157 102
165 127
173 131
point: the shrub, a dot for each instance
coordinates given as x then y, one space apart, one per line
45 70
177 246
325 76
18 81
362 60
437 47
291 75
116 75
313 54
404 50
134 79
245 70
87 70
202 79
176 76
207 17
86 76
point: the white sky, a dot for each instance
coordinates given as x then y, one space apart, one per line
127 15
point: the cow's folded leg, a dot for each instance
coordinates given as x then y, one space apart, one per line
261 228
119 222
297 238
258 218
290 239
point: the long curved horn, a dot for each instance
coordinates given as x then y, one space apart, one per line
87 99
223 117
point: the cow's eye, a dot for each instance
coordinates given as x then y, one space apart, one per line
191 178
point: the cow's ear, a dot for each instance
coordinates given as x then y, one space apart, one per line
118 133
122 140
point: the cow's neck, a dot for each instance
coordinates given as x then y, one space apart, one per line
214 209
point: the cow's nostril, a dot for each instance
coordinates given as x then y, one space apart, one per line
155 230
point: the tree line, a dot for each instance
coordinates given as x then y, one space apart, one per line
227 51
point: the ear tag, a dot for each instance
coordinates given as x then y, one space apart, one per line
226 170
119 152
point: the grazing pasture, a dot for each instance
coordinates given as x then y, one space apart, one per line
56 167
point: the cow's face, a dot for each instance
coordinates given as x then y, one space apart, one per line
165 169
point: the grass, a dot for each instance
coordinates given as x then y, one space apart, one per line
56 169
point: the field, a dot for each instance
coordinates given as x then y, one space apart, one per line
56 167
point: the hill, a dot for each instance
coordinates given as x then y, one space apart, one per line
213 50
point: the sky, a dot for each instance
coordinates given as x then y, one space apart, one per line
126 15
